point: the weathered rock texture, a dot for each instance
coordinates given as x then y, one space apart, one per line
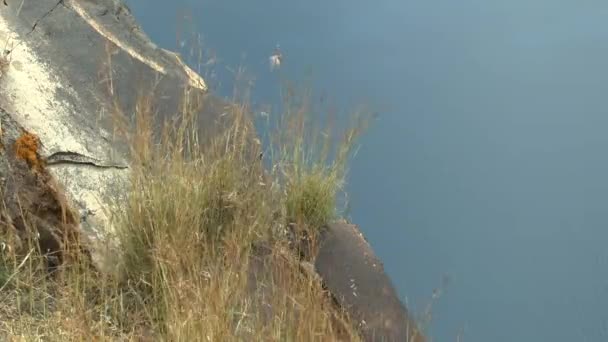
72 64
355 276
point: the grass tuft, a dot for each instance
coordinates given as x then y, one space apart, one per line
201 234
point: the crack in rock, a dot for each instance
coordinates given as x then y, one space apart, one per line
60 2
36 22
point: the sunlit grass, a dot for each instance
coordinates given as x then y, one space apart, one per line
196 209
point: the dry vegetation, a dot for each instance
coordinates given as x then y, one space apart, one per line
198 214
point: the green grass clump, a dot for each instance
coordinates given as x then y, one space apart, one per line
311 200
310 159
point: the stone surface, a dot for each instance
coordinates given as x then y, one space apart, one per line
355 276
73 64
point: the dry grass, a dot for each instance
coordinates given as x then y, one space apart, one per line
187 230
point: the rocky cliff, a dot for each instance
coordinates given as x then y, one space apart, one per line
68 67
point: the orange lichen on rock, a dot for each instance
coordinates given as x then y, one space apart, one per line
26 148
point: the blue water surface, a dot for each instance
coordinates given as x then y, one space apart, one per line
489 160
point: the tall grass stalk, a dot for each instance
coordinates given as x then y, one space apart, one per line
197 207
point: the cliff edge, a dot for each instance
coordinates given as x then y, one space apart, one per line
68 67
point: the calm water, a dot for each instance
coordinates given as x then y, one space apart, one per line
489 162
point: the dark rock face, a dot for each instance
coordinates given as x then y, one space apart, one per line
268 265
355 276
347 267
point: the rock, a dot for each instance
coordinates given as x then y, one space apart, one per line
73 64
355 276
346 266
